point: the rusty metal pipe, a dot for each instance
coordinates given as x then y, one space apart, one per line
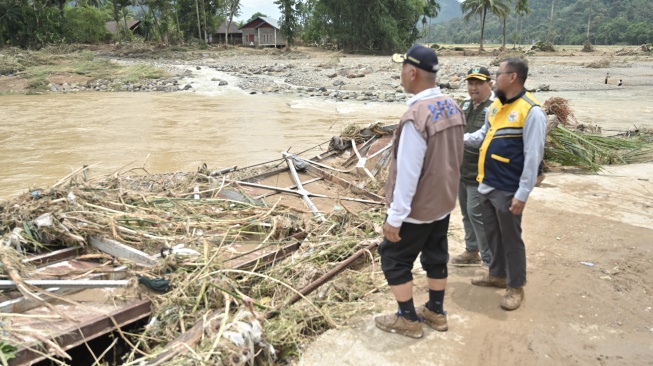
325 278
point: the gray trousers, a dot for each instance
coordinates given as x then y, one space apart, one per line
470 207
503 231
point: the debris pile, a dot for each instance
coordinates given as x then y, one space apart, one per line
571 143
232 274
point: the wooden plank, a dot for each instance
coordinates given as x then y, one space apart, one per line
55 256
87 331
21 304
343 183
81 283
265 259
123 251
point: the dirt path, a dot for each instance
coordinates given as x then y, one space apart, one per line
573 314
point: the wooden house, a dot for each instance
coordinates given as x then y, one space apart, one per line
264 32
234 35
132 25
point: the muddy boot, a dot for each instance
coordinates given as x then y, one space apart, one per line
394 323
486 279
433 320
513 298
467 258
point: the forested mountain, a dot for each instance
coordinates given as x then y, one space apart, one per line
350 25
449 9
610 22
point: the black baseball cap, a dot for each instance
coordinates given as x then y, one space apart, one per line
478 72
423 57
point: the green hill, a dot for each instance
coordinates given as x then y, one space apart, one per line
610 22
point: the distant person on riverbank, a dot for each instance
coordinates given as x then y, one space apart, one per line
427 153
607 76
479 87
511 150
620 83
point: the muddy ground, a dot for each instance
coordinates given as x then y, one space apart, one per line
589 297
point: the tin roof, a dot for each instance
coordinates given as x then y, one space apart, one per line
261 20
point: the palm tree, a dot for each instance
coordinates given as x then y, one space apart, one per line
502 11
431 10
521 8
472 8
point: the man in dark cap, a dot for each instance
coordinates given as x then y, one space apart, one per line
421 192
479 87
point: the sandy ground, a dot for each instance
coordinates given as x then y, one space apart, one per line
589 239
594 313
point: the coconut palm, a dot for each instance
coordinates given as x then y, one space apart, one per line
521 8
431 10
502 11
472 8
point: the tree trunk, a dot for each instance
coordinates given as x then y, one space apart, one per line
483 28
124 18
551 19
503 46
116 17
199 26
206 36
234 6
177 19
588 22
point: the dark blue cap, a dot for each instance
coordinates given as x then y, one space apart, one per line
423 57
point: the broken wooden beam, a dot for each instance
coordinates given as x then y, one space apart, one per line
122 251
83 284
54 256
83 332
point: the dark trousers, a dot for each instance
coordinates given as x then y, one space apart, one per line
428 239
503 230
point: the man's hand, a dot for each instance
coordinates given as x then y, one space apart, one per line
391 233
517 207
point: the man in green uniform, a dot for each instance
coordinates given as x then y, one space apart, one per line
479 87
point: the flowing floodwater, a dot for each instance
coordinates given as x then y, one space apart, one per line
45 137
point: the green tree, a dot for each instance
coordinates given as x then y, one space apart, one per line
480 8
521 9
288 21
502 11
365 25
85 24
431 10
117 7
11 18
254 16
232 9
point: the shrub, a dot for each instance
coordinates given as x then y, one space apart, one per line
84 25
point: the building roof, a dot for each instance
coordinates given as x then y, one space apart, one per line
111 26
259 21
233 28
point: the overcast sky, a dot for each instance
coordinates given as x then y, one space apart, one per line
266 7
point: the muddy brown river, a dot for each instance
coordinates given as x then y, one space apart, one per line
45 137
